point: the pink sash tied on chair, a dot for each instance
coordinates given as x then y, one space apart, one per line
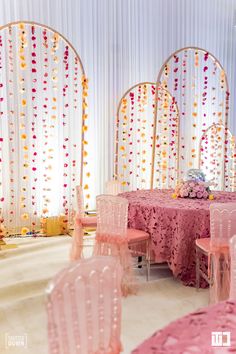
117 246
220 267
77 240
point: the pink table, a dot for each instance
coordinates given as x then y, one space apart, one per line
193 333
174 225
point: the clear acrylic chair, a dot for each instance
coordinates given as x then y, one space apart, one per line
114 238
113 187
223 227
202 246
81 221
84 308
233 268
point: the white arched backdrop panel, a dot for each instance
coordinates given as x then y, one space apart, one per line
125 42
134 137
137 164
198 84
42 103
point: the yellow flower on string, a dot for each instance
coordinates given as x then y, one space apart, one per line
21 26
86 186
84 105
25 216
85 128
25 148
211 196
24 230
23 65
23 136
23 102
88 174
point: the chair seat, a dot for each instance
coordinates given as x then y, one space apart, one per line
204 244
137 235
89 221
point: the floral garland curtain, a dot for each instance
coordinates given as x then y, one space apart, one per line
42 124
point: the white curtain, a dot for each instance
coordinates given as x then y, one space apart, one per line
40 127
123 42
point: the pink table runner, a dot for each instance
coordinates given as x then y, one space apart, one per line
193 333
173 224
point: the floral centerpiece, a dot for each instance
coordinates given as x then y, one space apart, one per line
194 187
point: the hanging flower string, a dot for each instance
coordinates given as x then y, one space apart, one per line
23 43
13 156
33 155
86 171
65 132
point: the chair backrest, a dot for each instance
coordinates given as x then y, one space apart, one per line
112 215
233 268
223 223
84 307
113 187
80 201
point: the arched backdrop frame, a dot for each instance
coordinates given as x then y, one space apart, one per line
84 84
211 151
167 103
162 83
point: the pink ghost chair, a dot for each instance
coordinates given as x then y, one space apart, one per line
114 238
233 268
216 248
223 227
84 308
81 221
113 187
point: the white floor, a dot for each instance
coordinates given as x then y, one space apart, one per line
27 269
159 301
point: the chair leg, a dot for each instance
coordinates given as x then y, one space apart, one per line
140 259
197 270
148 259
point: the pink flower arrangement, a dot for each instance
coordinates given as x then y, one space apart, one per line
192 189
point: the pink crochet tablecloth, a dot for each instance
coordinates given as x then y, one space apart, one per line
193 333
174 225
